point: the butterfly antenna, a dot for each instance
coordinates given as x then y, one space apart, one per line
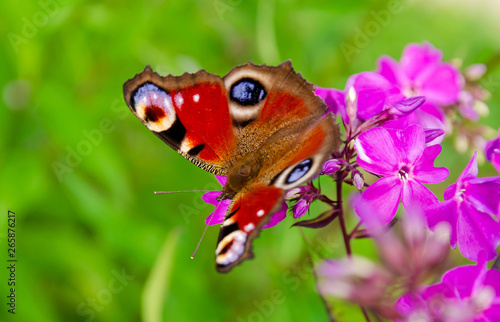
203 235
164 192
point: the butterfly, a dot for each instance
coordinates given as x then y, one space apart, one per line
260 126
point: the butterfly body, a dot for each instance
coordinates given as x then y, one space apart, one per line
262 127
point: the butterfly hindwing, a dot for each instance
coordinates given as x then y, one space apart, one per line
245 216
254 205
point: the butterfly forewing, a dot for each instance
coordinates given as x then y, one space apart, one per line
190 113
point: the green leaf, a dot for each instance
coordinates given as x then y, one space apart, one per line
320 221
157 284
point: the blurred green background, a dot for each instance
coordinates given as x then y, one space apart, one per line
93 241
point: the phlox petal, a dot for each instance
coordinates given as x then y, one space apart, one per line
463 279
374 92
410 143
389 68
495 160
493 313
492 279
417 57
442 85
217 216
381 199
416 193
484 194
278 216
335 100
211 197
222 180
424 116
492 151
477 231
444 211
471 170
376 152
424 170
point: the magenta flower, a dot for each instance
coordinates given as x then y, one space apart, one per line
468 208
404 163
372 95
492 151
217 216
417 252
355 279
407 259
466 293
334 99
422 73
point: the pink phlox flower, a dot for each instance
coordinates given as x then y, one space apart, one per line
492 151
469 206
404 163
356 279
217 216
417 252
406 260
465 293
422 73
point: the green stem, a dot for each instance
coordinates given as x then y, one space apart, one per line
347 240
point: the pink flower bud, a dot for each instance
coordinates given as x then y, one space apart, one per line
406 106
331 166
296 192
475 72
358 180
300 208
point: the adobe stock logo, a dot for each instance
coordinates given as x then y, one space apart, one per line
104 296
372 28
49 9
221 7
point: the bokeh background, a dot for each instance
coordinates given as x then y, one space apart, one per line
79 170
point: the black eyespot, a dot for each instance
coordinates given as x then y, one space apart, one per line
196 150
299 171
247 91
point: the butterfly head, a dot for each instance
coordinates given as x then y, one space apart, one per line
240 176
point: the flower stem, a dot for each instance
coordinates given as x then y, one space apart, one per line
328 307
347 240
355 230
365 313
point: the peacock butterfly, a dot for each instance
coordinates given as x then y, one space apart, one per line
260 126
